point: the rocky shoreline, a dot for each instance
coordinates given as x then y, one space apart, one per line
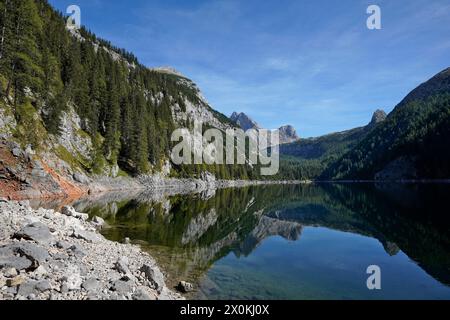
47 255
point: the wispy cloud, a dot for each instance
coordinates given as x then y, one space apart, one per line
313 64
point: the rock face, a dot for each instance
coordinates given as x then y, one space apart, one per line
244 121
287 133
378 117
42 259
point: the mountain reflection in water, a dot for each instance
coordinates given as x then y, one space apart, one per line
292 242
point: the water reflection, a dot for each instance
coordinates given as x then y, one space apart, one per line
204 238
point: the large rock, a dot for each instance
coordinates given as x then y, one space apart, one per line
88 236
154 275
37 232
22 256
71 212
72 278
185 287
9 260
121 265
78 177
143 294
122 287
91 285
98 222
31 251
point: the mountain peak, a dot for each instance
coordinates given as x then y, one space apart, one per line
168 70
288 134
378 116
244 121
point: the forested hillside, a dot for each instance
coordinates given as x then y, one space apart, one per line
413 142
308 158
126 111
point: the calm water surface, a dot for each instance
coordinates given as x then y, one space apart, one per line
293 242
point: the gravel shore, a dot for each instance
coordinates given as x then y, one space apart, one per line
61 256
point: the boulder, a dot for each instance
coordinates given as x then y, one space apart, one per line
72 278
63 244
154 275
86 235
121 265
185 287
91 285
99 222
18 263
78 177
71 212
10 273
43 285
16 152
33 252
143 294
40 272
37 232
122 287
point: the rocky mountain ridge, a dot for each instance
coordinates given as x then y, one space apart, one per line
288 134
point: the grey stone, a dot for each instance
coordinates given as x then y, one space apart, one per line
86 235
121 265
16 152
68 211
33 252
63 245
43 285
36 232
10 273
185 287
143 294
27 288
25 203
91 284
40 272
60 256
78 177
99 222
71 212
72 278
122 287
154 275
8 259
77 251
19 263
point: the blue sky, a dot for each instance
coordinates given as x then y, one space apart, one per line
311 64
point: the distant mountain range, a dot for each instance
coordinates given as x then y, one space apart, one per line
411 143
331 144
288 134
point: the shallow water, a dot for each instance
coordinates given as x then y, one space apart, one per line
293 242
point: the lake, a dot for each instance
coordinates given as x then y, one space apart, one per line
292 242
